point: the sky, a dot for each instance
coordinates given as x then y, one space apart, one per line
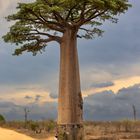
109 70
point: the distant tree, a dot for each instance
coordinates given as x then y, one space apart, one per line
134 112
2 119
26 112
63 21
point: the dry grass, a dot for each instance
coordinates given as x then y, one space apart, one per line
93 130
112 130
35 129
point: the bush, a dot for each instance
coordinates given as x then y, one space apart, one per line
51 125
2 119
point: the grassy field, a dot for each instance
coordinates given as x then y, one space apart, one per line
118 130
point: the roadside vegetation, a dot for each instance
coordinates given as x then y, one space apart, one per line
110 130
2 119
125 129
36 129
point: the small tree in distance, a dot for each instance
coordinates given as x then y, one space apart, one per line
134 112
2 119
63 21
26 113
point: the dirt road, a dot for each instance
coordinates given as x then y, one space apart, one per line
6 134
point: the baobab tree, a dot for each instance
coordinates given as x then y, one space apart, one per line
26 113
134 112
43 21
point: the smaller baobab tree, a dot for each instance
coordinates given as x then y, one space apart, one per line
26 113
134 112
43 21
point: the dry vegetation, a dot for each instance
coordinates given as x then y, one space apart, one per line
35 129
126 129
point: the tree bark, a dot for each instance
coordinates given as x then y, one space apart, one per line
70 104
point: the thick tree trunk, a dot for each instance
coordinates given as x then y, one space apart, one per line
70 104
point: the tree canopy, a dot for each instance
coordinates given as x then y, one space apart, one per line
42 21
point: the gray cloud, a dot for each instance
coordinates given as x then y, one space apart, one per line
4 104
37 112
102 85
108 106
37 98
101 106
28 97
130 94
54 95
112 53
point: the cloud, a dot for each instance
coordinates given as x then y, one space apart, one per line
130 94
109 106
5 5
118 84
54 95
102 85
104 105
8 6
103 59
28 97
4 104
22 97
37 98
11 111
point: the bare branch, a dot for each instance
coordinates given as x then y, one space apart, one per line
55 28
84 29
56 38
79 36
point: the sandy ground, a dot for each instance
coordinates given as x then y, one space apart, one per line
6 134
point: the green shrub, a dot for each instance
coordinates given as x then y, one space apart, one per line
34 126
2 120
51 125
